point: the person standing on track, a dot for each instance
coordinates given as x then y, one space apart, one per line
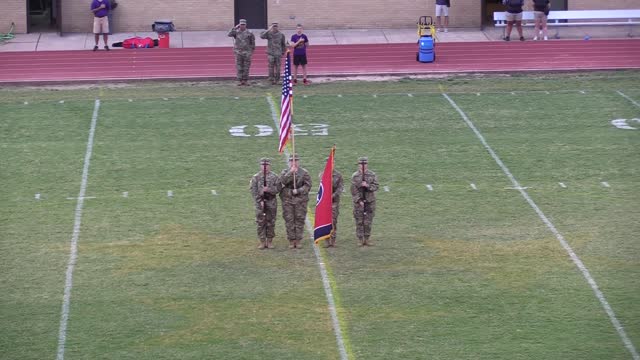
540 12
276 46
514 15
299 43
243 45
100 10
442 10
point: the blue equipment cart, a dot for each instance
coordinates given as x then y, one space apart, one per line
427 41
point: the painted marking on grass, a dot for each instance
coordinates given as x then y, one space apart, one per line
165 99
473 186
513 93
339 95
170 194
130 100
546 92
410 95
582 92
628 98
517 188
341 339
125 194
86 197
214 193
562 185
375 96
477 94
26 103
605 184
429 187
574 257
61 101
37 196
386 188
73 254
304 96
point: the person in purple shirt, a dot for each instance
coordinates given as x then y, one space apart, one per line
299 42
100 10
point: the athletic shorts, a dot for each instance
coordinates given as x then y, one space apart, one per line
513 17
300 59
539 15
100 25
442 10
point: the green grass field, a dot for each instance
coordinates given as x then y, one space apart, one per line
456 273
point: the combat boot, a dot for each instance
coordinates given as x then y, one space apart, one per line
292 244
262 244
367 242
297 244
361 242
270 244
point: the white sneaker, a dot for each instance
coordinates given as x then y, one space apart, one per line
546 38
535 38
446 30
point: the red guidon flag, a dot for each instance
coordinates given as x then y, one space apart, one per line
323 225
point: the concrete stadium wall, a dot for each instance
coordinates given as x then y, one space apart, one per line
13 11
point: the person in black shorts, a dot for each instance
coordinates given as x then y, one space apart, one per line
299 42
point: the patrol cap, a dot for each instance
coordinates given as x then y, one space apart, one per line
363 160
243 21
265 161
274 24
294 157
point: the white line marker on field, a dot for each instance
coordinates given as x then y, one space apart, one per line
73 255
513 93
214 193
429 187
386 188
477 94
605 184
339 95
473 186
130 100
375 96
546 92
574 257
562 185
26 103
628 98
202 99
410 95
517 188
170 193
165 99
86 197
582 92
323 269
37 196
61 101
237 98
125 194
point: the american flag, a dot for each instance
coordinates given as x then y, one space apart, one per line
286 105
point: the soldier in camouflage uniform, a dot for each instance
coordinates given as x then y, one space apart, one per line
276 46
338 187
294 196
243 46
264 190
364 183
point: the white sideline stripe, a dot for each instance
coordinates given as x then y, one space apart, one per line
73 255
562 185
323 270
473 186
574 257
605 184
429 187
628 98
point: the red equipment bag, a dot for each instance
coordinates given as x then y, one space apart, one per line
138 42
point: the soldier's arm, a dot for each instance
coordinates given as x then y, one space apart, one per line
274 185
306 184
233 32
253 187
264 34
356 194
373 184
283 43
337 191
252 41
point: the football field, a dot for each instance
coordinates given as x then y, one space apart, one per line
506 227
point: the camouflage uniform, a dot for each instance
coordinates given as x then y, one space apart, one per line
363 215
243 46
265 214
294 206
338 187
276 46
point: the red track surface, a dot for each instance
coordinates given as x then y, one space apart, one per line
325 60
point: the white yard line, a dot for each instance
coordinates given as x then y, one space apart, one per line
574 257
321 265
73 255
628 98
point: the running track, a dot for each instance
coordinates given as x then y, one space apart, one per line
325 60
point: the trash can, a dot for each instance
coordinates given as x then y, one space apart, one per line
163 28
426 52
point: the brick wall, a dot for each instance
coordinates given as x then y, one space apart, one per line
13 11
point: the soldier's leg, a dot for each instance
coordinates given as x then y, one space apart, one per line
272 76
358 216
247 67
261 225
371 211
287 215
335 213
271 225
239 63
276 66
300 218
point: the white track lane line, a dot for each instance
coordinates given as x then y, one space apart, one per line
628 98
321 265
576 260
73 255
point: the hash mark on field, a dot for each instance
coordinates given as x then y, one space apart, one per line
165 99
213 192
201 99
574 257
170 193
477 94
37 196
429 187
546 92
26 103
61 101
410 95
582 92
375 96
304 96
513 93
339 95
130 100
562 185
605 184
236 98
125 194
386 188
473 186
